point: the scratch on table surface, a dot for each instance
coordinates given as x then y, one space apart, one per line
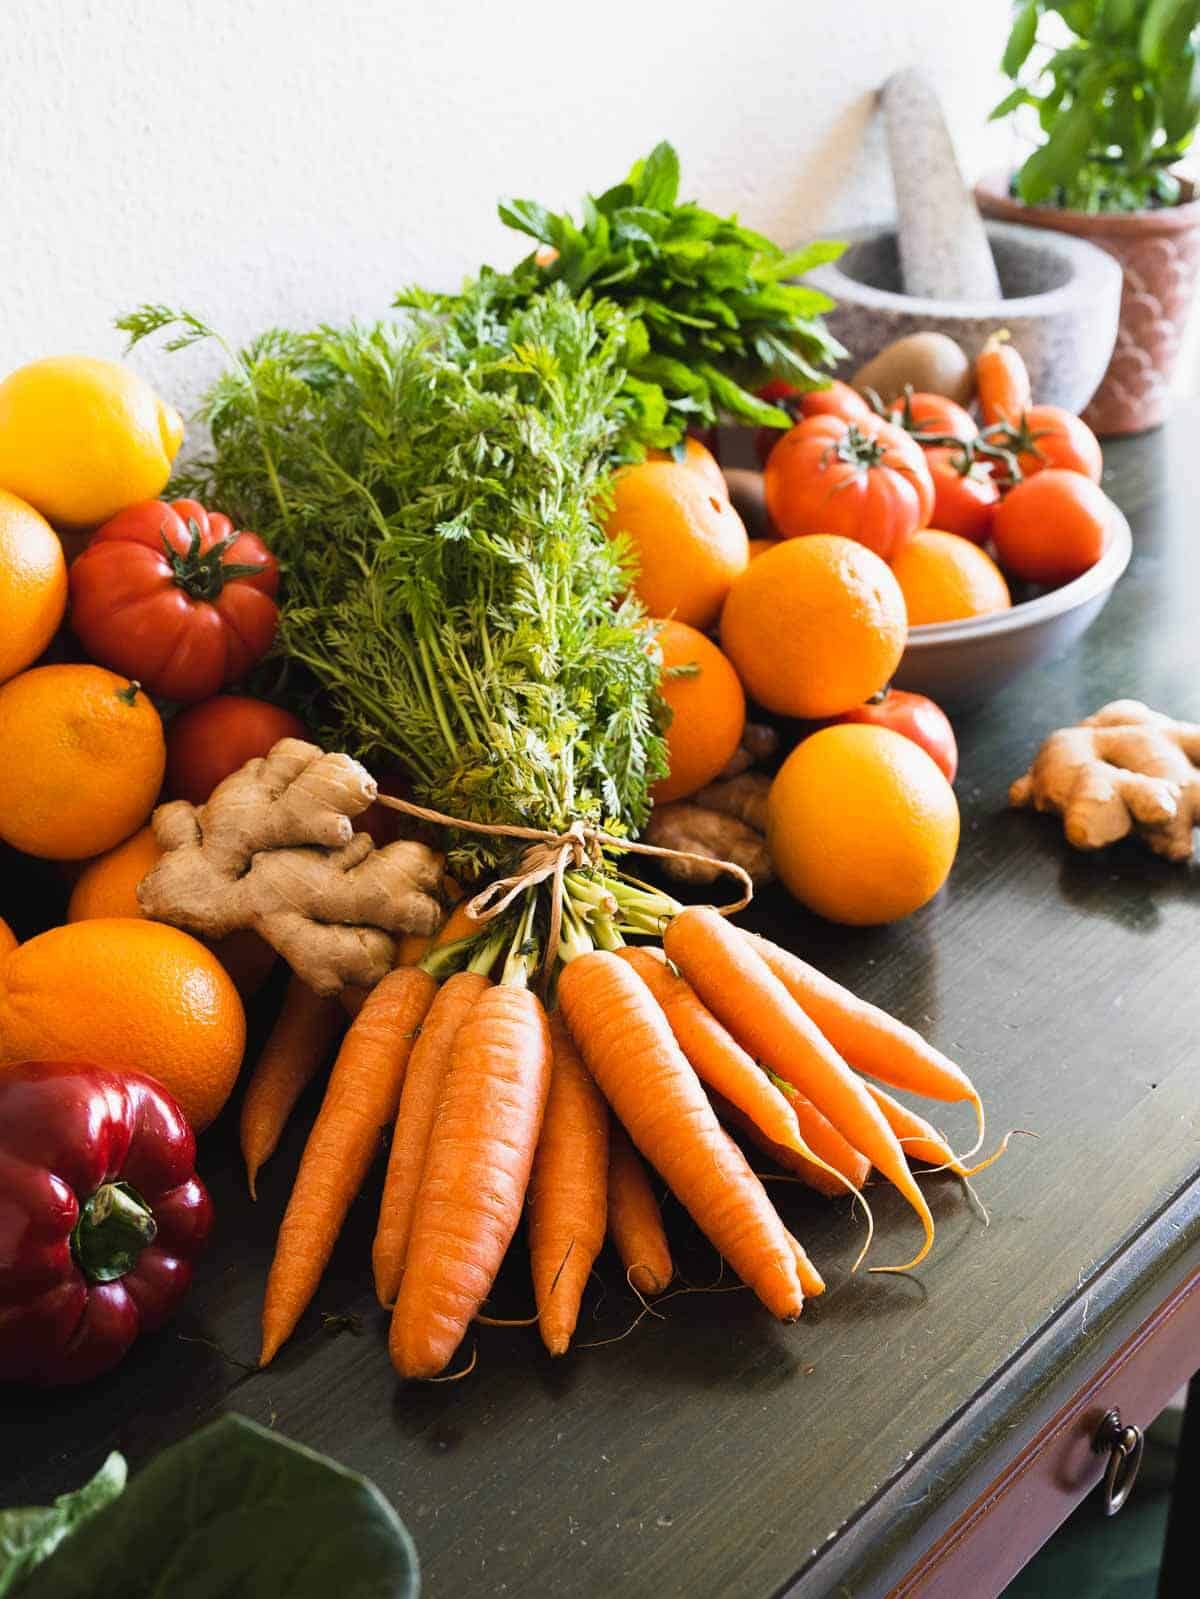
1087 1305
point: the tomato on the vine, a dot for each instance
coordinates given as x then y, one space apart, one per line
915 717
172 596
1049 436
839 399
932 413
863 479
1052 527
965 494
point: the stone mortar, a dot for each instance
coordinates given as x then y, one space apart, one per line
1061 303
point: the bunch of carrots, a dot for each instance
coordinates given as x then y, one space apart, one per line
498 1107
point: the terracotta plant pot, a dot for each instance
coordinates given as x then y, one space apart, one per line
1159 252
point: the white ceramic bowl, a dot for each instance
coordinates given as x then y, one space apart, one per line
960 662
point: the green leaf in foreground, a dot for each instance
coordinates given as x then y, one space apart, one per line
236 1512
29 1535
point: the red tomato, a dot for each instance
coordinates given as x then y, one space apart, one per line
1052 527
839 399
172 596
932 413
915 717
208 741
965 494
1049 436
865 479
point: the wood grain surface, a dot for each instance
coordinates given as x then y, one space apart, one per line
709 1451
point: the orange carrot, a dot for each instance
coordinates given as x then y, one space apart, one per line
305 1028
810 1278
719 1061
364 1088
818 1132
631 1052
476 1172
411 948
1002 381
419 1098
634 1219
738 985
868 1038
568 1198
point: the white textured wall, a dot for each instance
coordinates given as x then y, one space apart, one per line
263 160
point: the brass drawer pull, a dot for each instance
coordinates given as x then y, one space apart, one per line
1123 1445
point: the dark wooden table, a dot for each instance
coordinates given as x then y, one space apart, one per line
712 1452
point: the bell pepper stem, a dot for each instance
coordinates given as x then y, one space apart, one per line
114 1226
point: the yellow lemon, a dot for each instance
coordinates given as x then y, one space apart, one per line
81 438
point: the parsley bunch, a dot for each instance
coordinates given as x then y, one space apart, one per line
451 601
710 303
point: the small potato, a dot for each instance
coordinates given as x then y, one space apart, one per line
748 500
931 362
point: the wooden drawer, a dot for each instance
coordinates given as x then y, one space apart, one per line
1007 1524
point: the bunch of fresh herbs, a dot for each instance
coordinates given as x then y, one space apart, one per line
711 304
1118 103
451 602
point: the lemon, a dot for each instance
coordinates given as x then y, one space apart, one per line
81 438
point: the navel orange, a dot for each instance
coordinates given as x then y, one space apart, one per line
131 995
861 824
33 584
700 459
8 939
946 578
814 626
81 761
708 710
686 540
107 886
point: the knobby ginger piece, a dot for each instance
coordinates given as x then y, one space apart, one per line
1127 769
743 797
687 826
274 848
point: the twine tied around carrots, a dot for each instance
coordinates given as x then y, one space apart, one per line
551 855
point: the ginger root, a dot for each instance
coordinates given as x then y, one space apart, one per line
724 821
275 849
1126 769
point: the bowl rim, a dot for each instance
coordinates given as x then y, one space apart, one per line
1087 586
1094 270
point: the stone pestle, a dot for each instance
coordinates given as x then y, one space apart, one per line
944 251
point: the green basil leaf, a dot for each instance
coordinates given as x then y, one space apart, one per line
1166 30
29 1536
1181 97
1056 162
1012 100
236 1510
797 262
527 216
1021 38
658 180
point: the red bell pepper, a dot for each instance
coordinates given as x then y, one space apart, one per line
101 1215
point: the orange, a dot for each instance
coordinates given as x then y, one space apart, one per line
686 541
33 584
861 824
81 761
130 995
708 710
761 546
945 578
8 939
700 458
814 626
107 886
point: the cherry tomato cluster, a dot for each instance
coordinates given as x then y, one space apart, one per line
173 596
1023 479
